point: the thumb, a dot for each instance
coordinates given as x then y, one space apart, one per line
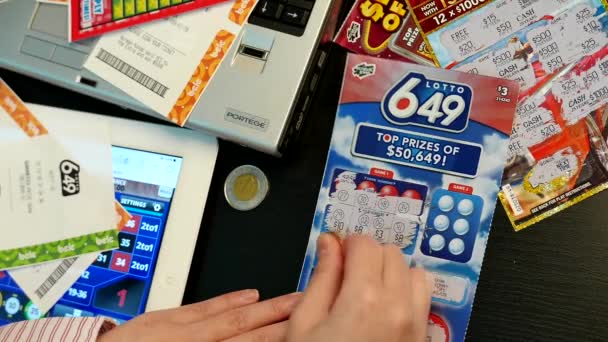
323 288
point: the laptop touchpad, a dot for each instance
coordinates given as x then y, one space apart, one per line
51 19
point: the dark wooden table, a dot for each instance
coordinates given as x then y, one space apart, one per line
546 283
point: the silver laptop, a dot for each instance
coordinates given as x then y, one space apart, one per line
33 41
258 96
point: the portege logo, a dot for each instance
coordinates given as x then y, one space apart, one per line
417 100
246 119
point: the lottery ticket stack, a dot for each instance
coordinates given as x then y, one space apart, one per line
556 51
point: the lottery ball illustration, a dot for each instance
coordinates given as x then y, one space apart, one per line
455 217
441 222
436 242
411 194
31 311
466 207
446 203
12 305
456 246
389 190
461 226
367 186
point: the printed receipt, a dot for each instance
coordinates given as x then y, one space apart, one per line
167 64
56 193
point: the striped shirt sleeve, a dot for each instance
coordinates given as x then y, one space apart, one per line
57 329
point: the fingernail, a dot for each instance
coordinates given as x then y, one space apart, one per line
323 244
293 300
250 296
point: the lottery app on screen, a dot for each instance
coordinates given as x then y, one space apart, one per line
416 160
117 284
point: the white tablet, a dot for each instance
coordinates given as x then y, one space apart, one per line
161 176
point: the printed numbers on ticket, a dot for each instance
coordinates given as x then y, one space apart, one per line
386 210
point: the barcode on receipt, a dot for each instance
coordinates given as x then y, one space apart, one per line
54 277
132 72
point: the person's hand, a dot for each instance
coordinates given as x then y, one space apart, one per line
235 317
361 292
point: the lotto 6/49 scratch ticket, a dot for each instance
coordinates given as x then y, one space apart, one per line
416 160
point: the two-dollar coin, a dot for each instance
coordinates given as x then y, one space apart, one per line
245 187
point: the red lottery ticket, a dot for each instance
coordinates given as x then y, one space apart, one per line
384 29
90 18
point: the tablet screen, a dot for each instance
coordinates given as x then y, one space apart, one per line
118 282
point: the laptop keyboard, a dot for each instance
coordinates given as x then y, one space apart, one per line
288 16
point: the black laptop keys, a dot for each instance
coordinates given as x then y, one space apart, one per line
288 16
